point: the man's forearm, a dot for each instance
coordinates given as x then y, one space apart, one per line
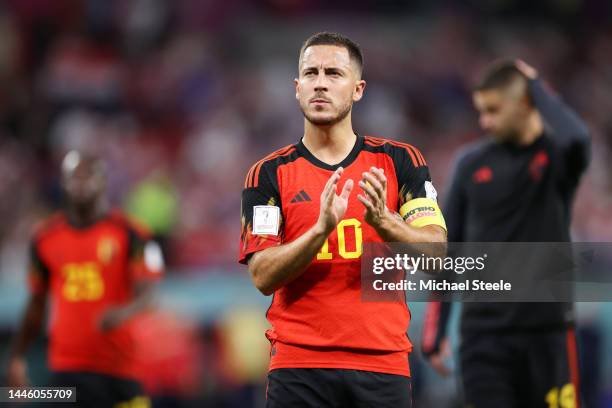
437 314
274 267
144 298
395 229
142 301
566 124
30 325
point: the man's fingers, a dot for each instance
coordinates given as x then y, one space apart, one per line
329 196
369 190
527 70
17 374
346 189
333 191
375 183
333 179
445 348
380 175
368 205
330 187
437 362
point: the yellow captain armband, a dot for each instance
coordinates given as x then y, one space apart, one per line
421 212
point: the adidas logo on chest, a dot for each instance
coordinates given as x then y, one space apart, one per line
300 197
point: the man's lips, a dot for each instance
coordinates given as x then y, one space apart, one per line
319 100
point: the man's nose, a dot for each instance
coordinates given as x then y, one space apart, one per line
485 122
321 82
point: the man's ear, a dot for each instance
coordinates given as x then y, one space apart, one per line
526 102
297 87
359 88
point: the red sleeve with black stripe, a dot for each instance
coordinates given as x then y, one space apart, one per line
410 168
412 173
145 257
260 189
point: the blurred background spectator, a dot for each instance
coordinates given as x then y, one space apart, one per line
181 97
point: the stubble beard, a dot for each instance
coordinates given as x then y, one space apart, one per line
328 121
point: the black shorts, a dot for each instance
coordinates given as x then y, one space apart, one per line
324 387
100 390
532 369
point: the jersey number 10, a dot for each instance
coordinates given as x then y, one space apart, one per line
324 253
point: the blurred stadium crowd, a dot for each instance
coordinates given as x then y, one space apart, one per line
181 97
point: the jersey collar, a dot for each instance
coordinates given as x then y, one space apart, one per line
350 158
79 227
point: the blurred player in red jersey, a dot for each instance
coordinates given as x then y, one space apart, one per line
98 271
302 238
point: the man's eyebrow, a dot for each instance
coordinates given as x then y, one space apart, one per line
332 68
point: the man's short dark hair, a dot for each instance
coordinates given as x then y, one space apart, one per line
328 38
499 75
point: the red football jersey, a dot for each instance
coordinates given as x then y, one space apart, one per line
319 320
87 270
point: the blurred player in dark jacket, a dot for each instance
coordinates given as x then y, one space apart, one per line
516 186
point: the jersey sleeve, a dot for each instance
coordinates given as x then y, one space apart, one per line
146 261
38 272
418 204
435 323
455 205
569 132
261 216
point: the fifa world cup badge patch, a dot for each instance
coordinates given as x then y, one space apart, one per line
107 248
266 220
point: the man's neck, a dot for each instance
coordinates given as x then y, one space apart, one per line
81 217
533 129
330 144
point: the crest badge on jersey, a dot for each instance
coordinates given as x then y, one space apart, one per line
107 249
